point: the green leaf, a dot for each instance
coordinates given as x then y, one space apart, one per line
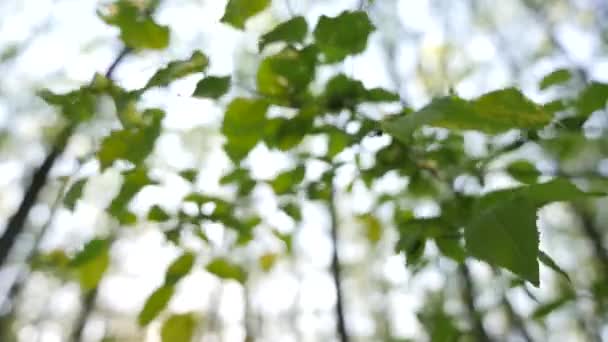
238 11
287 181
74 194
198 62
133 182
292 31
155 303
158 214
212 87
89 252
293 210
267 261
242 179
131 144
545 309
243 126
189 175
286 134
224 269
503 229
137 28
179 268
452 248
495 112
91 263
285 76
593 97
506 235
373 227
555 190
343 35
523 171
549 262
554 78
178 328
413 245
76 106
338 141
342 92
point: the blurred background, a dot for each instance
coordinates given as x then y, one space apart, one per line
420 49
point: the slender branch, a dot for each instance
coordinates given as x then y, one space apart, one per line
468 294
515 319
87 307
16 223
250 330
596 239
17 284
121 56
336 270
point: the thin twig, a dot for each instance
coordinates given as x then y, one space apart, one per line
516 319
336 270
87 307
16 223
596 239
468 294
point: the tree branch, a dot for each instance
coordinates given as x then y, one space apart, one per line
85 313
468 294
336 270
596 239
16 223
515 319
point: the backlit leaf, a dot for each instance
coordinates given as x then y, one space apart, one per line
503 231
158 214
593 97
131 144
238 11
495 112
287 181
506 235
523 171
292 31
198 62
341 36
179 268
554 78
178 328
452 248
243 126
133 182
212 87
138 30
155 303
224 269
286 75
342 92
372 226
74 194
76 106
91 263
267 261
